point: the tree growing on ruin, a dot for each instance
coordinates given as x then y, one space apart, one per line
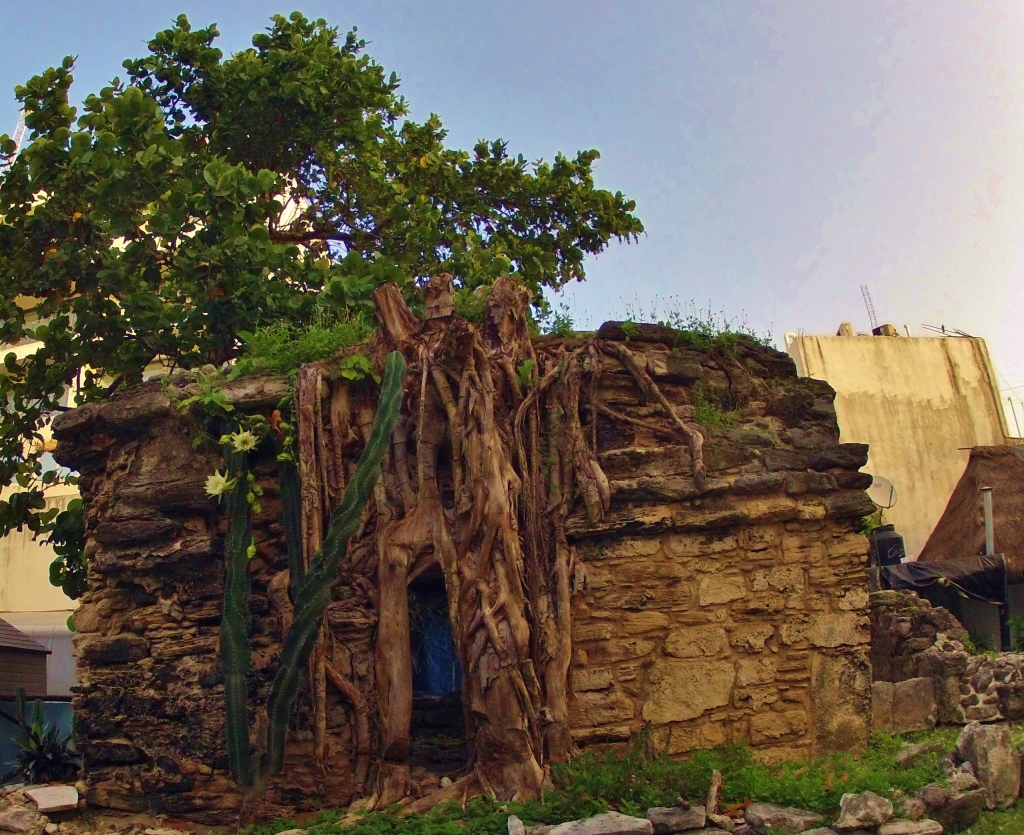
201 197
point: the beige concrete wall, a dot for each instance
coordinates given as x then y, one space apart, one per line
919 402
25 571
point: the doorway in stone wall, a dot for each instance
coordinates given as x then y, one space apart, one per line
438 726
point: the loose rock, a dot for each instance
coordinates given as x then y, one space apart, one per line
722 822
921 827
610 823
49 799
667 820
997 763
516 825
18 820
913 808
911 754
863 811
762 816
962 811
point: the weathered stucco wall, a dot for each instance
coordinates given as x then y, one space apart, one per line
737 612
920 403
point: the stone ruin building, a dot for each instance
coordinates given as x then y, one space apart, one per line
732 610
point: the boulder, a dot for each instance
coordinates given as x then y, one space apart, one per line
996 762
863 811
609 823
18 820
934 796
764 816
962 811
669 819
516 825
921 827
50 799
913 808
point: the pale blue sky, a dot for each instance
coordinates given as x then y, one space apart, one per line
780 153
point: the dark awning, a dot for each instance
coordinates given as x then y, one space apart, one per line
981 578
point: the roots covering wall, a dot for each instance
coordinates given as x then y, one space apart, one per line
725 605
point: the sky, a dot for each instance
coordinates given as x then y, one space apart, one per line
781 154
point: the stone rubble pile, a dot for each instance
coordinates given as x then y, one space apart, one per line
924 675
61 810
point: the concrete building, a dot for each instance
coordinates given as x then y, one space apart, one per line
921 403
28 601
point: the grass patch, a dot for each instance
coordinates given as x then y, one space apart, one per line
630 782
282 348
1008 822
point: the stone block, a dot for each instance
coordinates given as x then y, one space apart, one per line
667 820
914 706
755 671
767 727
763 817
751 637
837 629
601 708
697 642
720 589
591 678
641 622
784 578
610 823
114 649
881 706
683 690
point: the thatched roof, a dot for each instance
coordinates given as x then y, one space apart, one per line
960 531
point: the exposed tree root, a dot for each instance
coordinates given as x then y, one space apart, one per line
497 442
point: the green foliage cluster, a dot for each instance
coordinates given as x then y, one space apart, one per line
284 347
202 198
43 754
701 329
710 414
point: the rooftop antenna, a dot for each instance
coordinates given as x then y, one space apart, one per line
870 306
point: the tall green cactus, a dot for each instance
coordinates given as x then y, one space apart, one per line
314 592
234 624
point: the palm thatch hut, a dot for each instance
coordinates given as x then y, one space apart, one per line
985 593
960 531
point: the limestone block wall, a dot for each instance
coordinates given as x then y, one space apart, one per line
742 620
924 675
736 612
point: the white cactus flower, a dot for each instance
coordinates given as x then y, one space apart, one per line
218 484
243 441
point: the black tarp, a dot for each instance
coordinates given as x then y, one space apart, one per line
980 578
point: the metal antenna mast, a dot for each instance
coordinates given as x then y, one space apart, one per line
869 305
19 136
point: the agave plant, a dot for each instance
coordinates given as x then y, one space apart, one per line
43 754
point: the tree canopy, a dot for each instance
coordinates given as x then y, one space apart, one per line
203 197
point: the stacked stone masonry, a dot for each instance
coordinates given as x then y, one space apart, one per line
735 613
924 675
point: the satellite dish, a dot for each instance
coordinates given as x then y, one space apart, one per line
882 492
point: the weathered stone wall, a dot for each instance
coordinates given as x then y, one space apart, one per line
924 675
733 613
